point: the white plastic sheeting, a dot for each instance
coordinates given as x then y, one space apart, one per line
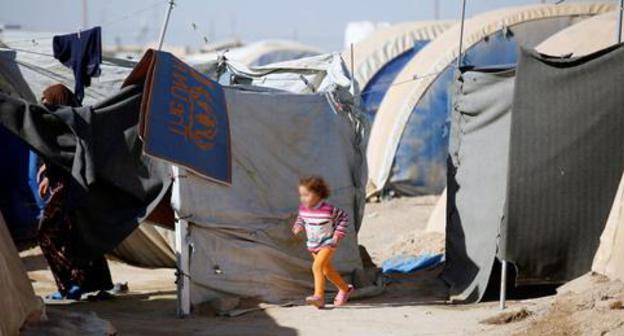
322 73
254 54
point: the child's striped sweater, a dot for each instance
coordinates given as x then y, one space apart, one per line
322 223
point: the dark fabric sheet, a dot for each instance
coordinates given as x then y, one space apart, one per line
99 146
81 52
477 178
566 160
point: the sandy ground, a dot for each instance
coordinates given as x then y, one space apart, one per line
413 308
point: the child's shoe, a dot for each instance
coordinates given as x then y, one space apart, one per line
316 301
342 297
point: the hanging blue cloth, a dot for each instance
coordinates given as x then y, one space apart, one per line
81 52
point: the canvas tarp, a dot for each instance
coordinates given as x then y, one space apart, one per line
18 301
431 62
610 253
565 163
115 186
149 246
241 234
477 178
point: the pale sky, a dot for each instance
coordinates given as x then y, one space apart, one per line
319 23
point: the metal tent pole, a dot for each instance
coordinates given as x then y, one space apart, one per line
461 33
181 226
163 29
182 249
503 284
619 27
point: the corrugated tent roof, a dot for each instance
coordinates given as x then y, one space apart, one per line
400 100
583 38
385 44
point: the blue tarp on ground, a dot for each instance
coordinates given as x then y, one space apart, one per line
185 119
409 264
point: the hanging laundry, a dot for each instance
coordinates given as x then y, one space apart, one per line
82 52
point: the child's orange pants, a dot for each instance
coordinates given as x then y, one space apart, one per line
322 267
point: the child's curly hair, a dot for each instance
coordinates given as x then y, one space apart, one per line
315 184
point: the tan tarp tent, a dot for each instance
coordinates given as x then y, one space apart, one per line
385 44
610 254
437 56
148 246
18 302
584 38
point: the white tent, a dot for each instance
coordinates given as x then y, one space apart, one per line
433 67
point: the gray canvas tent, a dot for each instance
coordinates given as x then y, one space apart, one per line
242 244
154 246
532 180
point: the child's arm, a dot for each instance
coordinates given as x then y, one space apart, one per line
341 222
298 226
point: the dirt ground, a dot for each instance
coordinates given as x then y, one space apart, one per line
411 308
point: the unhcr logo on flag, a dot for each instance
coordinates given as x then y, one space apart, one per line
183 116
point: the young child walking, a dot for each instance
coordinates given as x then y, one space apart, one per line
325 226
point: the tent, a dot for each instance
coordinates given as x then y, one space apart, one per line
408 145
534 187
379 57
254 54
239 230
153 245
19 302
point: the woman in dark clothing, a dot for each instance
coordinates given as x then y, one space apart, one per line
58 236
